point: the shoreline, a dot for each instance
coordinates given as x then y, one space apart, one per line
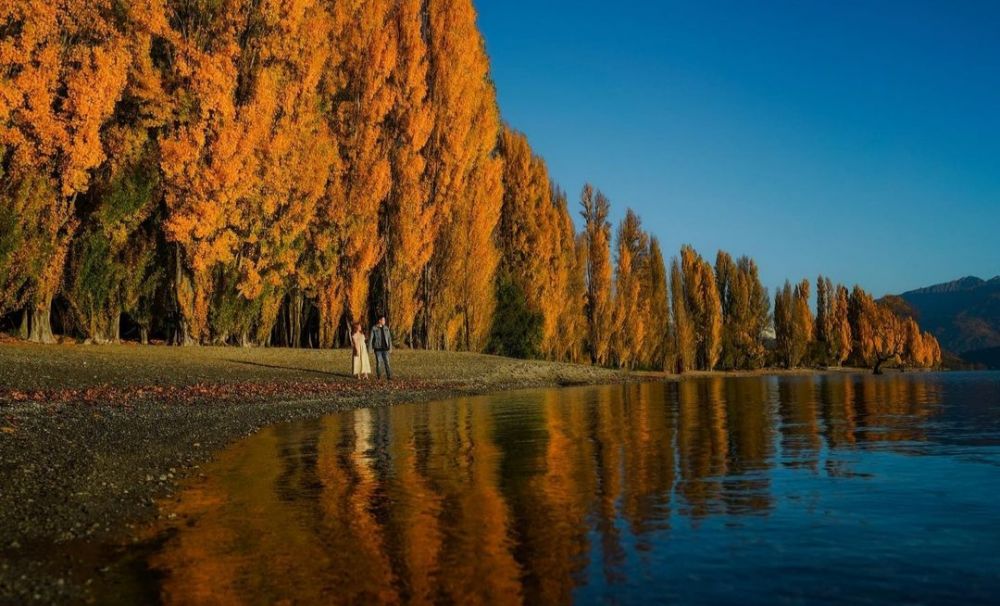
88 448
87 452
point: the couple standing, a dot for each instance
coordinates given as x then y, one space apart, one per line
381 342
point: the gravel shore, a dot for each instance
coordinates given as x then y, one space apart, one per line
92 437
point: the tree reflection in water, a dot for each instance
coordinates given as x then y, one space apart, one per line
512 498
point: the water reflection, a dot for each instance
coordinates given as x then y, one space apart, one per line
541 497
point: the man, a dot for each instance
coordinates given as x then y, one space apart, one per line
381 342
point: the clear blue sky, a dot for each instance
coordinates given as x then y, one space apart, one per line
858 139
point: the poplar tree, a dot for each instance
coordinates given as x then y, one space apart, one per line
292 164
684 338
745 311
783 326
793 323
464 177
531 233
574 322
629 331
824 317
701 295
64 69
803 323
358 91
296 166
840 336
570 297
207 156
597 230
411 218
657 351
725 277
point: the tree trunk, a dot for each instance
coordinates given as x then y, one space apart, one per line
41 321
182 336
348 329
25 329
329 311
296 305
878 365
144 335
425 334
468 339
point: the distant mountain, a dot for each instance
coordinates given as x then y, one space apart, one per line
964 314
989 357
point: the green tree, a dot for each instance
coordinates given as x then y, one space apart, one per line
517 329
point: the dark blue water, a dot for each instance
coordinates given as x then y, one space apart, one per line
829 489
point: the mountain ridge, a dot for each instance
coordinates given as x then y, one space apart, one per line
964 314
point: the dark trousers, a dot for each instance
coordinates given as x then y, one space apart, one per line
382 361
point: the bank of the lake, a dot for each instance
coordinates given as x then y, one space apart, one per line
92 436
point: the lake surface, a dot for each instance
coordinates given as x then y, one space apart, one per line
825 489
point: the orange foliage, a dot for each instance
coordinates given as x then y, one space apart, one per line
64 68
597 231
701 295
299 151
631 299
536 236
464 177
411 216
684 336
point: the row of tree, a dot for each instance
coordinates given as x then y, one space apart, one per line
707 318
270 171
248 171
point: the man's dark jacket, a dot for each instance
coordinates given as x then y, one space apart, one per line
381 338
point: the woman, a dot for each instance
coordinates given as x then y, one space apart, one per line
362 364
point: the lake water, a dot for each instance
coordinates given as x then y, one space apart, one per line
825 489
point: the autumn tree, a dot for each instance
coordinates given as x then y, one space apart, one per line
465 179
346 240
263 171
803 327
571 297
294 167
793 323
932 351
725 278
839 335
783 320
657 351
685 348
535 234
824 318
115 265
206 150
701 296
597 230
879 334
914 353
62 70
410 216
833 331
631 309
745 311
112 265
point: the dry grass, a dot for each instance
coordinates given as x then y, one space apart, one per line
25 366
